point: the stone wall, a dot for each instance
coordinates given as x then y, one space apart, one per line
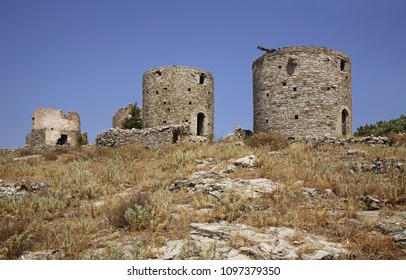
150 137
303 91
176 95
121 115
51 127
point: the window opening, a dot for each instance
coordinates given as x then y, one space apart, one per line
342 64
284 84
296 117
175 137
295 89
201 79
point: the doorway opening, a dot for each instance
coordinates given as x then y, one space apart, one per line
63 140
344 122
200 124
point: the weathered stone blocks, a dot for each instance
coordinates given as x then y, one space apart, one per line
303 91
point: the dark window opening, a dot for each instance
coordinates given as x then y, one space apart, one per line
164 122
165 88
267 94
186 120
189 89
284 84
295 89
63 140
200 124
328 88
175 137
201 79
190 103
157 92
344 122
164 102
279 66
342 64
266 121
52 128
158 73
296 117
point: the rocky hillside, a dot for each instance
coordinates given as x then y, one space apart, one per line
224 200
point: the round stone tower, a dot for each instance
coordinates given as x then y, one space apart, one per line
303 91
179 95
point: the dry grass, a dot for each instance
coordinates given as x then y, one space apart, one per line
95 197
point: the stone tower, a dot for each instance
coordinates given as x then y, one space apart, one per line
179 95
303 91
51 127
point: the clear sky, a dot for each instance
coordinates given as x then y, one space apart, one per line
89 56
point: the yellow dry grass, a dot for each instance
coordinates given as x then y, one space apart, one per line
97 198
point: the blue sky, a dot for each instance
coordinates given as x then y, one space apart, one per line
89 56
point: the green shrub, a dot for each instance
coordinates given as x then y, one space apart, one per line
383 128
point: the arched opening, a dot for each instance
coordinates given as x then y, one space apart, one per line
200 124
344 122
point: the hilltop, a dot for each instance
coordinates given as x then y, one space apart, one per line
230 199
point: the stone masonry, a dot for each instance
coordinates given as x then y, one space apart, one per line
303 91
51 127
121 115
150 137
176 95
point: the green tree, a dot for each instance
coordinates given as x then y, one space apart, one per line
135 120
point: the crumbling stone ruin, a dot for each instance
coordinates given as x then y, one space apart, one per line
121 115
52 128
303 91
177 95
150 137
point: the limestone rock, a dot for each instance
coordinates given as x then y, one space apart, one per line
371 203
247 162
238 241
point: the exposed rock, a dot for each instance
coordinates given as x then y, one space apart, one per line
400 238
393 224
309 192
369 140
28 158
223 240
19 189
215 184
43 255
371 203
230 169
247 162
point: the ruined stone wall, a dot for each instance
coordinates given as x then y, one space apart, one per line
150 137
303 91
179 95
121 115
53 127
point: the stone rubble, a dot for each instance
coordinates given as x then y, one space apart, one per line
19 189
368 140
